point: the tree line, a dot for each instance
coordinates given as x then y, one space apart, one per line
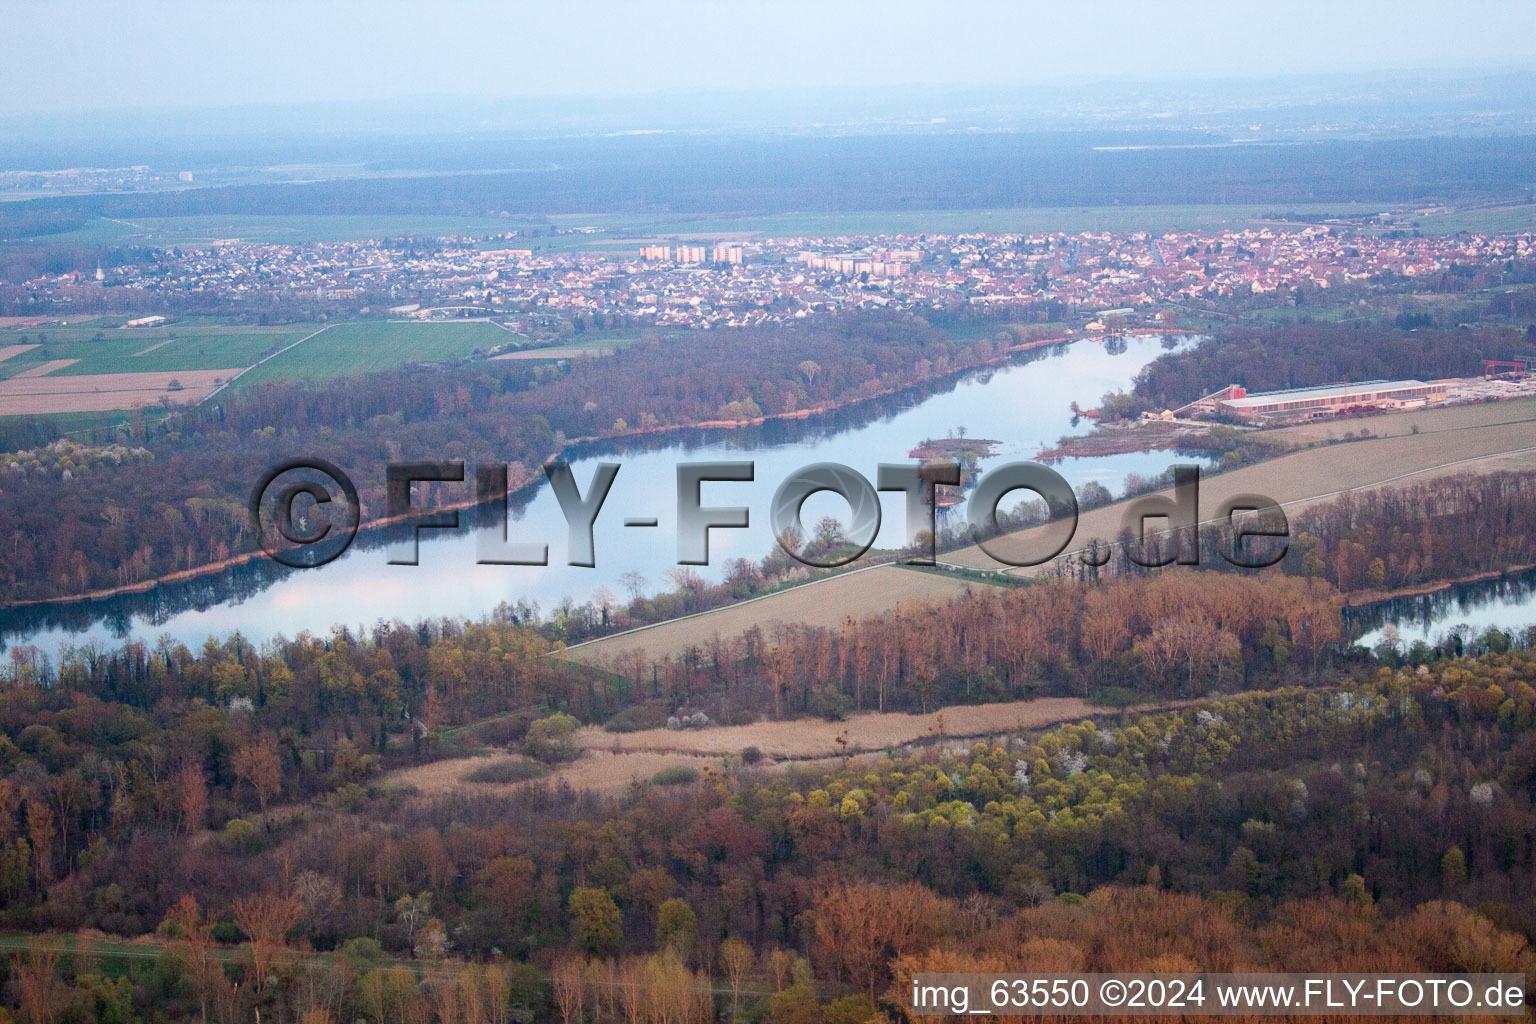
1303 355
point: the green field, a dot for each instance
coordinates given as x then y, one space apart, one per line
1017 220
361 347
621 232
1486 220
277 229
101 347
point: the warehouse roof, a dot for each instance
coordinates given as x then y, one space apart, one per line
1363 389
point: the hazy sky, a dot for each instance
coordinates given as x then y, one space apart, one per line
91 54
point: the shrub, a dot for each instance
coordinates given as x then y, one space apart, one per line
641 716
677 775
553 739
751 755
362 952
1115 697
519 770
239 834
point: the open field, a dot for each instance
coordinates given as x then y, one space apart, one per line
1483 220
616 232
362 347
1071 219
177 348
32 396
612 761
338 350
816 737
274 229
44 369
556 352
1397 424
9 351
822 603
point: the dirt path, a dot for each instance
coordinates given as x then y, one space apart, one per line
158 344
612 761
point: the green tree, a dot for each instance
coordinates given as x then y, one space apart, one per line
676 926
595 919
1453 868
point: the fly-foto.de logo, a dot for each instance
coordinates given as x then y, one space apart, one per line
307 511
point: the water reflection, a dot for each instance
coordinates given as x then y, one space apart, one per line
1507 603
1024 405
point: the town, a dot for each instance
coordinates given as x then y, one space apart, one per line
775 280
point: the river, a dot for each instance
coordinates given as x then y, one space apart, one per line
1023 405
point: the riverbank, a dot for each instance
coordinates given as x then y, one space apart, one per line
1366 598
1123 438
523 479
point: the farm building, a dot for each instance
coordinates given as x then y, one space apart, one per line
1330 399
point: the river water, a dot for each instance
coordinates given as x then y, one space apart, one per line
1507 604
1023 405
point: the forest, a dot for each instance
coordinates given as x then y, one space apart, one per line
1303 355
1372 543
954 170
1375 816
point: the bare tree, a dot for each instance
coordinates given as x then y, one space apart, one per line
258 763
266 919
195 948
737 961
40 993
568 982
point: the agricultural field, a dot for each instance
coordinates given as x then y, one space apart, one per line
39 395
590 343
822 603
557 352
342 350
1419 421
112 366
274 229
645 228
1479 220
94 349
617 232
